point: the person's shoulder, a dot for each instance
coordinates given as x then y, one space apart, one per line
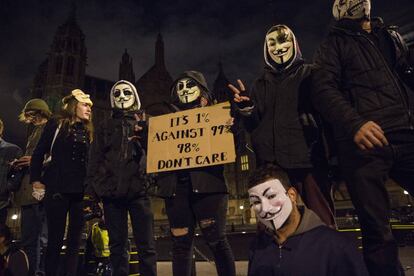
330 235
11 146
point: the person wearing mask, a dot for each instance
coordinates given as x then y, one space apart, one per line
364 87
59 179
285 131
294 240
117 176
197 196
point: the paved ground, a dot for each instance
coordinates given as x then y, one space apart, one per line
207 269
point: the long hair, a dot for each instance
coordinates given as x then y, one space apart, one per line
67 117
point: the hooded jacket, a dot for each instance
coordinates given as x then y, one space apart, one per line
117 164
202 83
314 249
205 179
282 127
355 83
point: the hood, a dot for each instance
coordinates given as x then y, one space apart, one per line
308 221
136 106
269 63
201 81
352 26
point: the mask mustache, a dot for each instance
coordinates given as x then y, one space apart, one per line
270 215
186 92
281 51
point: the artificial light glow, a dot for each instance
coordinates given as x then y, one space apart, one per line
14 217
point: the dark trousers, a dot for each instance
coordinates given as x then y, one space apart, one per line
116 219
187 209
34 234
57 207
366 173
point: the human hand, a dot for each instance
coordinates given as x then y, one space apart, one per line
370 135
23 161
240 95
39 190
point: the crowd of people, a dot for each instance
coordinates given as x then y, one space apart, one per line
354 102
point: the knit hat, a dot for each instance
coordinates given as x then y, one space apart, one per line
35 105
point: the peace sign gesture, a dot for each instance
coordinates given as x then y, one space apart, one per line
240 95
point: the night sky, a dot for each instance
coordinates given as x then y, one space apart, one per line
197 35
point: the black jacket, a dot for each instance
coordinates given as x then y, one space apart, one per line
314 249
8 152
354 83
117 164
67 171
283 129
204 179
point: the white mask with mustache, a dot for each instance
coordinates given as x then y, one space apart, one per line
270 202
187 90
280 45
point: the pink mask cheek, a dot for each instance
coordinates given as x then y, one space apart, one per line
277 203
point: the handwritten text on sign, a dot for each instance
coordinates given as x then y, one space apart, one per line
193 138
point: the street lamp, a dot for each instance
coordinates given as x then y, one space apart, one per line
14 217
242 215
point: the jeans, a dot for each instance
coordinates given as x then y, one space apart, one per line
116 219
187 209
366 173
34 234
57 207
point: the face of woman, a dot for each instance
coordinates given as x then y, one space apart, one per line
83 112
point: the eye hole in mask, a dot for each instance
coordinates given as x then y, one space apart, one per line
117 93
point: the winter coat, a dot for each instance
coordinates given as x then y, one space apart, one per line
282 126
354 83
8 152
67 171
205 179
117 164
23 196
314 249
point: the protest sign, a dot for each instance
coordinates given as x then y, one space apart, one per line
192 138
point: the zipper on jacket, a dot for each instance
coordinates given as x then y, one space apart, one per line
404 100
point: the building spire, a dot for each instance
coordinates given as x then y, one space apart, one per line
159 52
126 68
72 13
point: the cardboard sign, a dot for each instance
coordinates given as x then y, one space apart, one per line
197 137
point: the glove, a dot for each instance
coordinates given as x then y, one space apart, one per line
245 104
38 193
